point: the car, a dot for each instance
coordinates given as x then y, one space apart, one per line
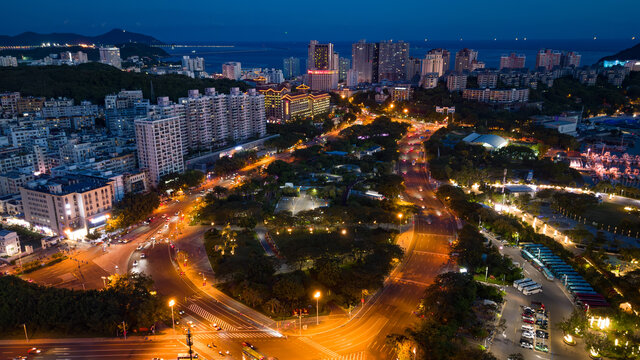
143 256
529 318
34 350
135 262
542 334
527 328
542 322
528 321
181 312
526 345
139 247
248 344
528 335
542 347
528 314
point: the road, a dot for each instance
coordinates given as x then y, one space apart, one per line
363 337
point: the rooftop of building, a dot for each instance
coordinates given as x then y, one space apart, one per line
67 184
4 232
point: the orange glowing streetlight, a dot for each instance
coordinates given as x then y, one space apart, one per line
173 321
317 297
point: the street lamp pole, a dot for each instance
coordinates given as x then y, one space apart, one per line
317 296
25 331
173 321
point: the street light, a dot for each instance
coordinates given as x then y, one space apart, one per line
173 321
317 297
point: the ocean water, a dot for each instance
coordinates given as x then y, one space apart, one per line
270 54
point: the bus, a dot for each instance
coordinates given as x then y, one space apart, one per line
579 290
547 274
592 304
251 354
532 290
576 284
186 356
517 282
588 295
525 284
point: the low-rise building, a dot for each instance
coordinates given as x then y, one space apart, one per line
68 205
496 96
9 243
11 182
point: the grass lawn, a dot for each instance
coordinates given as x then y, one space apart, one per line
609 214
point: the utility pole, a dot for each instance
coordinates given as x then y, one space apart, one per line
189 343
25 331
124 329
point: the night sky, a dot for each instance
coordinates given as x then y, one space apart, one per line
218 20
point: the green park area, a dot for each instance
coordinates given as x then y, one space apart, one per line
343 248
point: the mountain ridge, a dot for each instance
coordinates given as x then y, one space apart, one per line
632 53
114 36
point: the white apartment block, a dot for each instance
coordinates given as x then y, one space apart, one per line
67 205
232 70
8 61
9 243
111 56
159 143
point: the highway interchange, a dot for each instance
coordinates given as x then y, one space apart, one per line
362 337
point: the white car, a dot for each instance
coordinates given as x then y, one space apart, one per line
526 345
527 328
135 262
528 335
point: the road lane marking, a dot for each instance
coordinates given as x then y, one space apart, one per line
319 347
210 317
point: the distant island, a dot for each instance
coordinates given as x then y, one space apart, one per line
113 37
126 50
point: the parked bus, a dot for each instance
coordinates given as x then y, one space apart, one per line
532 290
588 295
579 290
515 283
525 284
547 274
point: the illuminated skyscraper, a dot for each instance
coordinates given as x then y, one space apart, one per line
291 67
322 66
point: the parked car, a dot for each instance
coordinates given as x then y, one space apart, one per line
528 321
542 334
528 335
542 347
526 345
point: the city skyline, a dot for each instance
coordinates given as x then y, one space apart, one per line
171 21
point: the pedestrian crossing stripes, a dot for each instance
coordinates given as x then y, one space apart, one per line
236 335
319 347
353 356
210 317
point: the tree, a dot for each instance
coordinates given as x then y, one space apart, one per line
288 288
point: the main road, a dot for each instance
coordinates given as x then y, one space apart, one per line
362 337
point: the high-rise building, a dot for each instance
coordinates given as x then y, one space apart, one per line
232 70
504 96
465 59
414 69
456 81
548 59
192 64
392 60
344 65
111 56
436 61
487 79
159 143
273 76
364 60
512 61
291 66
570 58
8 61
322 66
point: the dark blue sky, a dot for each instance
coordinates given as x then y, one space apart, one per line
218 20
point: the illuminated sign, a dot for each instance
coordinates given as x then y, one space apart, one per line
99 219
321 72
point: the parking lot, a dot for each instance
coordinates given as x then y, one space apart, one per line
557 305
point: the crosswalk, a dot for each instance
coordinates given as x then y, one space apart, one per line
353 356
211 318
324 350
